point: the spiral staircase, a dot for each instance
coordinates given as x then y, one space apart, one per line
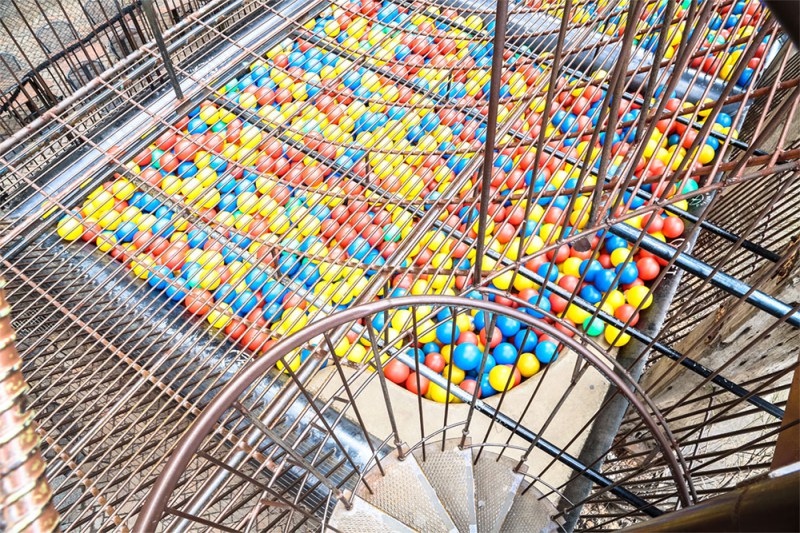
445 489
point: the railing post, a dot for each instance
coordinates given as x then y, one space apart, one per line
150 14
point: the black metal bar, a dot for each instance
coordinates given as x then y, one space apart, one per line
702 270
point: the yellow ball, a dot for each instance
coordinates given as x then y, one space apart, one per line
455 374
439 394
69 228
110 220
619 256
528 365
576 314
614 336
123 189
615 299
571 266
357 353
220 315
501 378
639 296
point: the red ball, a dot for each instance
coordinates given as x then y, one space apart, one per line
396 372
198 301
648 268
673 227
495 338
411 384
435 362
627 312
469 386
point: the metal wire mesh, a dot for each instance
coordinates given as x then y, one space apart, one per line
414 159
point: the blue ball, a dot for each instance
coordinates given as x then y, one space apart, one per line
546 352
548 271
256 279
196 126
176 291
542 303
629 273
505 353
604 280
430 347
126 231
591 294
359 248
160 278
525 340
447 333
244 302
273 292
467 356
486 387
507 325
613 242
379 321
197 238
225 293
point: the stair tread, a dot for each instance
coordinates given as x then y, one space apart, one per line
405 493
530 513
495 488
365 518
450 474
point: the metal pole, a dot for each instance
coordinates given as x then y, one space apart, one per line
700 269
150 14
500 23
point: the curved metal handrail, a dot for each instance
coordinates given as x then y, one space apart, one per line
158 498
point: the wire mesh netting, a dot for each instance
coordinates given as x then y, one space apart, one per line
563 233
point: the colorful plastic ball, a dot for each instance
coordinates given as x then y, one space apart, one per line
593 326
396 372
160 278
615 337
505 354
467 356
507 325
604 280
639 297
501 378
469 386
453 374
70 228
546 352
525 340
627 273
435 361
589 269
411 383
447 332
528 364
486 386
439 394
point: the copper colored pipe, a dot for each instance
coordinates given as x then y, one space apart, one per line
26 503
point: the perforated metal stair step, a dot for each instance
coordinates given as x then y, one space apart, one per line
531 512
365 518
405 494
496 485
450 474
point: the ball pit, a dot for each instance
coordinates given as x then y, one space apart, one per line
257 228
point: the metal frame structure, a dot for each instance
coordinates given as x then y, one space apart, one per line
98 343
